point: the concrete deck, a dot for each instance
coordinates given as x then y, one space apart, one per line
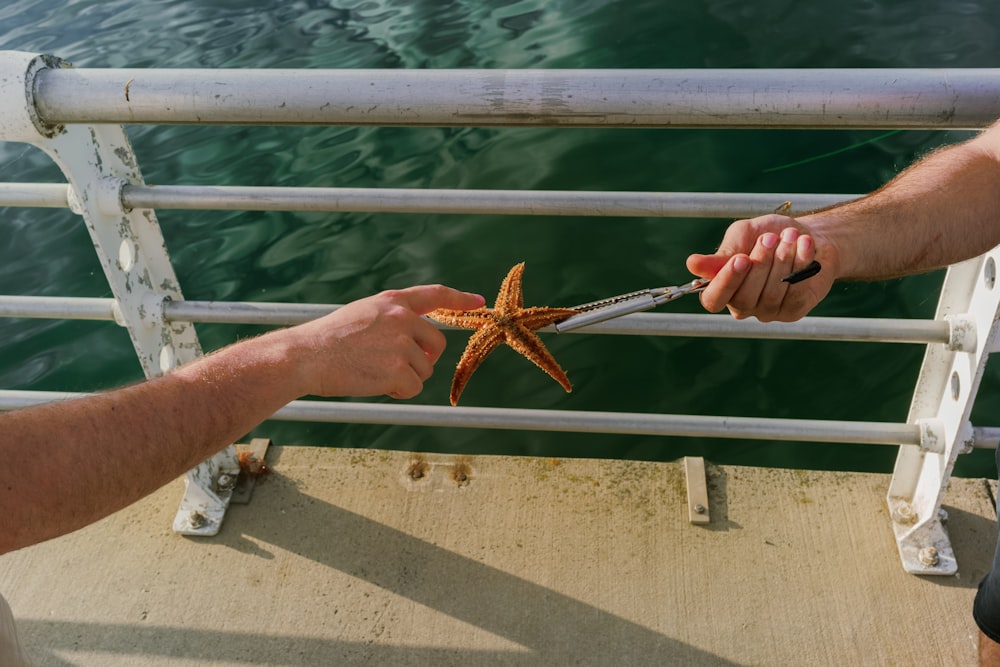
342 558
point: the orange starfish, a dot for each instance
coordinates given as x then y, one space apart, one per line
507 322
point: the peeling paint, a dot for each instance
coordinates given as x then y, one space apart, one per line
98 160
127 157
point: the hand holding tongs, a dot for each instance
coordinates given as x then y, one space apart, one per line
634 302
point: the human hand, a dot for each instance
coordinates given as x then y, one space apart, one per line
376 345
754 256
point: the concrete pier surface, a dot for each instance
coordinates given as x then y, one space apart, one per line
370 557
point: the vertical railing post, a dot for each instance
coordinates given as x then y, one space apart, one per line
98 161
942 402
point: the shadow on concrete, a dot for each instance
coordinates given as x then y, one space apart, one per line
551 628
973 539
197 647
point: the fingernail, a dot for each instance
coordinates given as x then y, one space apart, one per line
741 264
769 240
789 234
805 243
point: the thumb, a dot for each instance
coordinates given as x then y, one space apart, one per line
739 238
706 266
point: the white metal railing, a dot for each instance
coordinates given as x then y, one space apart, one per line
870 98
880 330
73 115
410 200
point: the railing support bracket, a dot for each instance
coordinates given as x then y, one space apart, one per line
942 402
697 490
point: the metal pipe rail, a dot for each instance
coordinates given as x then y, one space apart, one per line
804 430
882 330
414 200
503 202
35 195
763 98
582 421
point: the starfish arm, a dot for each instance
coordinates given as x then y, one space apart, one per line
466 319
528 343
537 317
508 321
481 343
510 299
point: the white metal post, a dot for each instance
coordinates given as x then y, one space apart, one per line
98 161
942 401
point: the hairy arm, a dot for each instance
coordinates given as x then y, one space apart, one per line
941 210
69 464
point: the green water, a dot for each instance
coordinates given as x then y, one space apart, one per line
337 257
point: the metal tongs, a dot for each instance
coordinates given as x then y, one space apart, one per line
647 299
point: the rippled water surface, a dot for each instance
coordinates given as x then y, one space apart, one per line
332 258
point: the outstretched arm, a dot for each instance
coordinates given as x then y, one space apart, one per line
69 464
941 210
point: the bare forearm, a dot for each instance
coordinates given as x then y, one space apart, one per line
942 210
69 464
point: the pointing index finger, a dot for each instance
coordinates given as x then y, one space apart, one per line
422 299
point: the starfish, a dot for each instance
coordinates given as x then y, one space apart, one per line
507 322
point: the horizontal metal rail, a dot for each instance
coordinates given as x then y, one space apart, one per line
805 430
58 307
509 202
733 98
572 421
657 324
411 200
985 437
38 195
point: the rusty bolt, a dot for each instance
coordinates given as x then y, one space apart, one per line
928 557
903 514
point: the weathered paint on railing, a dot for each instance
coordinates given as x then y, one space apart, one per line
750 98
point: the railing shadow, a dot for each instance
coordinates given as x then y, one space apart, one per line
973 539
193 646
549 627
